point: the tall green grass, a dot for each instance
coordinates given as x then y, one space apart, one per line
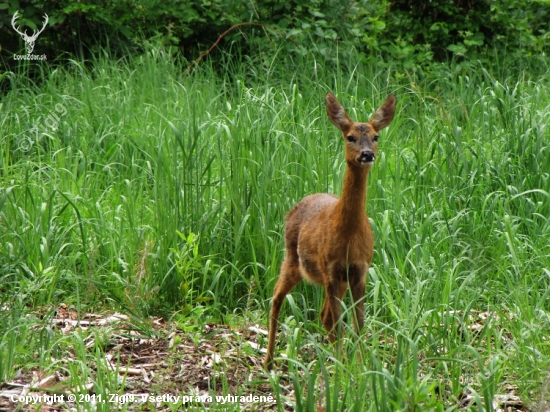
160 193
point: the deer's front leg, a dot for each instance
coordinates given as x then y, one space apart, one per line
357 287
332 310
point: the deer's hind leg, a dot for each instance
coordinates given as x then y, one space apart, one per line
288 278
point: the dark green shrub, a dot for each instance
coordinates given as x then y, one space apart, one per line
468 28
413 32
77 27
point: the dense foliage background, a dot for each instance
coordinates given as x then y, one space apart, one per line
404 30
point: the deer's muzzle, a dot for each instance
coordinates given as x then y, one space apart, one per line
366 157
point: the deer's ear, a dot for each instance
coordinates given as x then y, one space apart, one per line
336 112
384 114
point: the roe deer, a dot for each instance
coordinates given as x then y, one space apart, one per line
328 239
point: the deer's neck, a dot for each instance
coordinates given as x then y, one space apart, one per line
351 207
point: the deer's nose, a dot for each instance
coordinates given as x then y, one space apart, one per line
367 156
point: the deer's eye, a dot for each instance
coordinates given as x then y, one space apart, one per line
351 139
375 138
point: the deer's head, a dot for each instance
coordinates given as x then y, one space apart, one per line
361 139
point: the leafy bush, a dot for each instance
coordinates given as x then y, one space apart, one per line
409 31
78 26
467 28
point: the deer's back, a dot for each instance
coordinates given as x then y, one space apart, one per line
307 209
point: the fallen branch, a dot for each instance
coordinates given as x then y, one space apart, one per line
249 23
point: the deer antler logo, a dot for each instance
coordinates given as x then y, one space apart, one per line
26 38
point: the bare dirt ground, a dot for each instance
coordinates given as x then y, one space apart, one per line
162 367
162 371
